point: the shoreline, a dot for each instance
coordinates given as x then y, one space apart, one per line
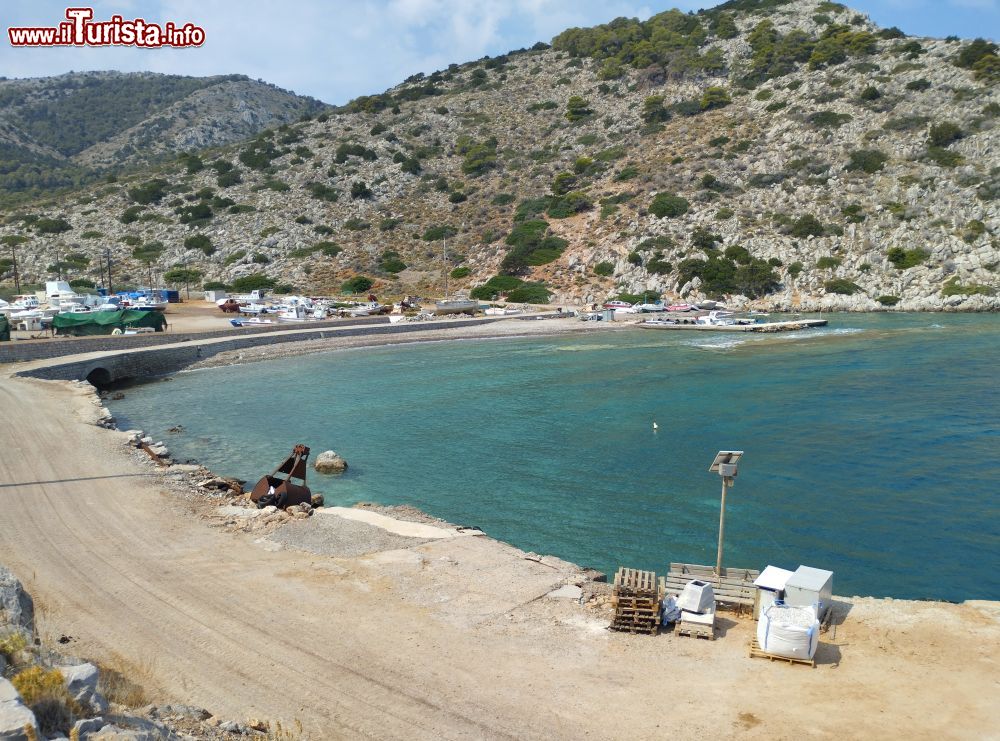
508 329
419 630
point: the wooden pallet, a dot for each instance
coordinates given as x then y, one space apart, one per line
756 652
652 627
695 630
636 598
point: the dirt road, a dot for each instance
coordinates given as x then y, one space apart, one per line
448 639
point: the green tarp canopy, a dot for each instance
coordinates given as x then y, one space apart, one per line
106 322
4 328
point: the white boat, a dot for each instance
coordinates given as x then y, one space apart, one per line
372 307
251 322
722 318
716 319
299 313
111 303
26 301
145 303
255 309
76 309
456 306
651 308
501 311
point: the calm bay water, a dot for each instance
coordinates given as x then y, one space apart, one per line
872 446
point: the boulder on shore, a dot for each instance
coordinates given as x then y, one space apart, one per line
330 462
16 607
17 722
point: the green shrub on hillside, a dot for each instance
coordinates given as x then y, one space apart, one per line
807 225
478 157
389 262
529 293
574 202
980 56
604 269
577 109
888 300
322 192
197 213
944 133
904 259
46 225
944 157
867 160
347 150
259 154
841 286
149 192
668 205
495 286
954 288
199 242
357 284
714 97
828 119
434 233
653 110
229 179
828 262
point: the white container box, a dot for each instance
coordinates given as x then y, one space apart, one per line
770 587
698 596
810 587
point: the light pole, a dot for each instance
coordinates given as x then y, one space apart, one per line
17 278
725 464
107 255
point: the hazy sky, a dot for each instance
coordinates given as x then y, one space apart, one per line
335 51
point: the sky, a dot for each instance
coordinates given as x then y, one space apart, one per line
336 50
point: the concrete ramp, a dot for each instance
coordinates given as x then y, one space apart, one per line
397 527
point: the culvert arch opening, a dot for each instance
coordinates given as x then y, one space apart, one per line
99 378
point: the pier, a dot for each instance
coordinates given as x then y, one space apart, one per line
765 327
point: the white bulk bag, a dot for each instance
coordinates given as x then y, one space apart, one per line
788 631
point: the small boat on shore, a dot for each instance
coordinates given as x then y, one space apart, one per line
655 307
456 306
682 307
617 305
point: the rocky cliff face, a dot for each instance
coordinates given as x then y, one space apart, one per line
858 173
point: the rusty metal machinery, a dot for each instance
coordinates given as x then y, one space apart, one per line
283 492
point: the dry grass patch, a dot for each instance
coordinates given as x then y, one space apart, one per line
44 691
123 682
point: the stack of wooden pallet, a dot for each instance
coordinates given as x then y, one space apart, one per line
636 598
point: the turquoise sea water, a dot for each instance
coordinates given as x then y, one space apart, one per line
872 446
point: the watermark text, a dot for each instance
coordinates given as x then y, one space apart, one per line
80 29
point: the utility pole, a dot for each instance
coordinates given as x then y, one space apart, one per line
17 279
107 254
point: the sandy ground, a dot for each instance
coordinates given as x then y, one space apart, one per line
427 638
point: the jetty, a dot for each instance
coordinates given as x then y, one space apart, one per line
789 326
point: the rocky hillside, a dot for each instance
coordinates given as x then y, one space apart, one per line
58 130
782 154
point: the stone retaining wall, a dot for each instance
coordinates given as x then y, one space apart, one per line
153 362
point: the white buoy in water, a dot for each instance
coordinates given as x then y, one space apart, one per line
655 427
